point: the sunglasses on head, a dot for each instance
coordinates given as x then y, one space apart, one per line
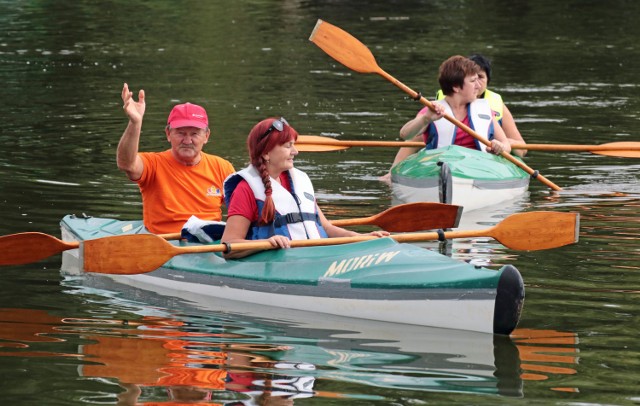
277 124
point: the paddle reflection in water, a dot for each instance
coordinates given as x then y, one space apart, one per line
541 351
150 356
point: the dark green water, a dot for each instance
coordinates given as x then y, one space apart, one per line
567 70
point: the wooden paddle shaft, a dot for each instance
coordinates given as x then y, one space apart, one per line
266 245
524 231
316 143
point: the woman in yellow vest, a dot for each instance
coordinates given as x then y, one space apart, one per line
502 113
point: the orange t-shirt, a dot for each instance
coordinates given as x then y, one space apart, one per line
172 192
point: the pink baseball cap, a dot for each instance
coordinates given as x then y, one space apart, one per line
188 115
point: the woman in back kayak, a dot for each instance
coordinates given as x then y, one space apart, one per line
458 78
462 81
270 199
502 112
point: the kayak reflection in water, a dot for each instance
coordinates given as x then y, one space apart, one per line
156 360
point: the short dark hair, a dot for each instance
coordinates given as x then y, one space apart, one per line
453 71
484 63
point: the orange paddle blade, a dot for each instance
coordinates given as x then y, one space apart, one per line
410 217
538 230
532 231
625 149
343 47
126 254
24 248
317 143
628 149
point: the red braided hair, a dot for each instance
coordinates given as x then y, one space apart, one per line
259 145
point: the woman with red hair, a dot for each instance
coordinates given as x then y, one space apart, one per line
272 200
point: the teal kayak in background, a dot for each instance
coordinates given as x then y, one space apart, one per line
457 175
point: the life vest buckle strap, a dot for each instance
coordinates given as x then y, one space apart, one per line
290 218
293 218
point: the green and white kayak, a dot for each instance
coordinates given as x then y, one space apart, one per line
457 175
377 280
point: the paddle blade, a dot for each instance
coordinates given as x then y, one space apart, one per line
126 254
316 143
539 230
623 149
24 248
421 216
410 217
344 48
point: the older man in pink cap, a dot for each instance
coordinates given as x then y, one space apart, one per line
181 181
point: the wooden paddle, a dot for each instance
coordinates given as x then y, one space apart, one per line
141 253
353 54
628 149
24 248
317 143
410 217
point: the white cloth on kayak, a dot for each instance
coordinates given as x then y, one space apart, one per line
204 231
